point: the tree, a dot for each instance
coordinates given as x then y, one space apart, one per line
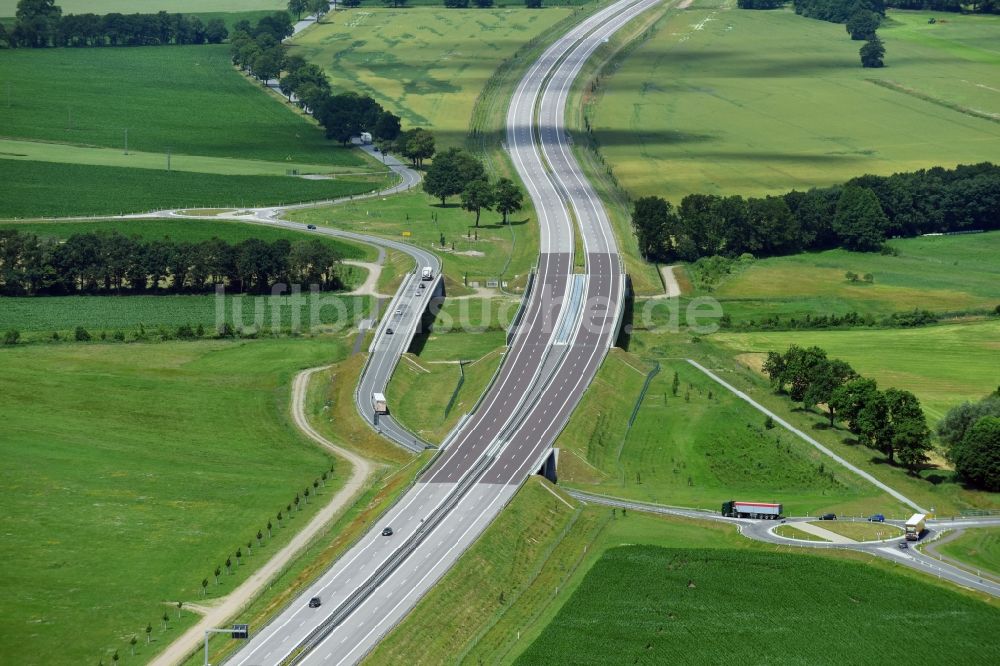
37 22
484 4
827 378
81 334
351 3
11 336
229 565
863 24
132 641
959 419
450 172
166 619
872 53
204 586
416 145
216 31
533 4
319 8
850 398
180 604
476 196
802 368
297 7
910 436
508 197
149 630
269 527
650 219
218 572
977 459
676 384
859 220
115 657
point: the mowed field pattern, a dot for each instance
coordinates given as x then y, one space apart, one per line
731 101
426 64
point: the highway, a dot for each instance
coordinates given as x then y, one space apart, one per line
380 579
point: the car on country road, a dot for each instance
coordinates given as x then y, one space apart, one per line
387 531
904 545
876 518
315 602
828 516
310 226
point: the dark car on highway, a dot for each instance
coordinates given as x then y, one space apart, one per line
828 516
387 531
314 602
388 331
310 226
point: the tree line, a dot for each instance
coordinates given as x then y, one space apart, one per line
971 431
41 24
839 11
889 421
112 263
859 215
258 51
456 172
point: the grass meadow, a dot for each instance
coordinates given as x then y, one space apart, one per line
8 7
944 274
48 189
729 101
942 365
494 251
977 548
427 64
641 604
114 506
698 448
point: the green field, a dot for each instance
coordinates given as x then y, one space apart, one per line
8 7
113 505
40 189
641 604
726 101
427 64
188 230
943 274
698 448
792 532
942 365
509 250
978 548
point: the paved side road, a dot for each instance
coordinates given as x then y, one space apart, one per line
763 530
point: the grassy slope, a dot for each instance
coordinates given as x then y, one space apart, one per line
942 365
103 528
421 392
426 64
729 101
641 604
699 451
941 273
792 532
979 548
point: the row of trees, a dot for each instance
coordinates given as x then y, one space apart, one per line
859 215
971 432
259 52
889 421
458 4
40 24
456 172
104 263
840 11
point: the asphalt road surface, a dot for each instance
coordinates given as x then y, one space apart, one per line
501 444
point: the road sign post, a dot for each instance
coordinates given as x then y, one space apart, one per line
238 631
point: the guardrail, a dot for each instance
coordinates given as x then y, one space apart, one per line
512 330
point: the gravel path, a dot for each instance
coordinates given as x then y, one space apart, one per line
218 615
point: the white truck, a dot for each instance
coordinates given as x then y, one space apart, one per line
366 138
427 273
379 404
915 526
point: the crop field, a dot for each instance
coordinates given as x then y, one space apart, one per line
942 365
697 448
641 604
40 189
941 273
426 64
8 7
112 512
91 96
731 101
978 548
191 231
495 250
